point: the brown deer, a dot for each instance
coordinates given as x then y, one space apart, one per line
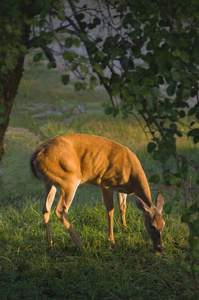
64 162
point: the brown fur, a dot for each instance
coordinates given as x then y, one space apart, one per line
66 161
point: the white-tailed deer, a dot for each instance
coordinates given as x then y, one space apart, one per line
64 162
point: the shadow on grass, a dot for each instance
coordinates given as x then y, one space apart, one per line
127 270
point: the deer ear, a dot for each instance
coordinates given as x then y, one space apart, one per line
142 205
159 202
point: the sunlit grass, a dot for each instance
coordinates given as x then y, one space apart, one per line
127 270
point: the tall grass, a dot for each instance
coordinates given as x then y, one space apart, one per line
29 268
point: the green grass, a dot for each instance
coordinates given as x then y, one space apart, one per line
29 269
127 270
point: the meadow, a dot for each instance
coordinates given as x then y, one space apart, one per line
29 268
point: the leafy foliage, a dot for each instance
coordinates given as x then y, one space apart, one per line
144 54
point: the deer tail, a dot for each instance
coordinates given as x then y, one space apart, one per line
32 164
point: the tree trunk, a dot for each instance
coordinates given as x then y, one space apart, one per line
10 82
10 87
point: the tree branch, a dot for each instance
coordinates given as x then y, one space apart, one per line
182 157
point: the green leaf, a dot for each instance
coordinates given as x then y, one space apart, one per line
160 110
61 15
37 57
96 21
98 69
155 92
196 139
177 52
22 48
69 42
192 111
65 79
194 132
176 76
80 86
80 17
173 180
171 90
186 93
115 111
70 56
197 112
181 113
173 116
155 178
127 20
93 82
173 126
184 56
194 206
84 68
51 65
108 110
99 56
151 147
168 207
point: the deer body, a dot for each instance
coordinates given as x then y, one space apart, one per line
64 162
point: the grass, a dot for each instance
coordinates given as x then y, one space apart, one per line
127 270
29 269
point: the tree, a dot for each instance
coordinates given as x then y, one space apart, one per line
144 53
17 18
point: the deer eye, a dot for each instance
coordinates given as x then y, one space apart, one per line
153 227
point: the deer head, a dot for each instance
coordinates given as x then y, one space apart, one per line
153 219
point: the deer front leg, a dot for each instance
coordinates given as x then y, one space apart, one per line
121 199
71 231
108 200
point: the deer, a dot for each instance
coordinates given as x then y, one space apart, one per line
66 161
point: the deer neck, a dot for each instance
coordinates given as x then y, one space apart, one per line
142 189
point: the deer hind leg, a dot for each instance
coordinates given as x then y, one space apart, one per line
121 199
108 200
50 196
61 211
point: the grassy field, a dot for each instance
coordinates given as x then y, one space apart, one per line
29 269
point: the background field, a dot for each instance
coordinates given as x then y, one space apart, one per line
127 270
